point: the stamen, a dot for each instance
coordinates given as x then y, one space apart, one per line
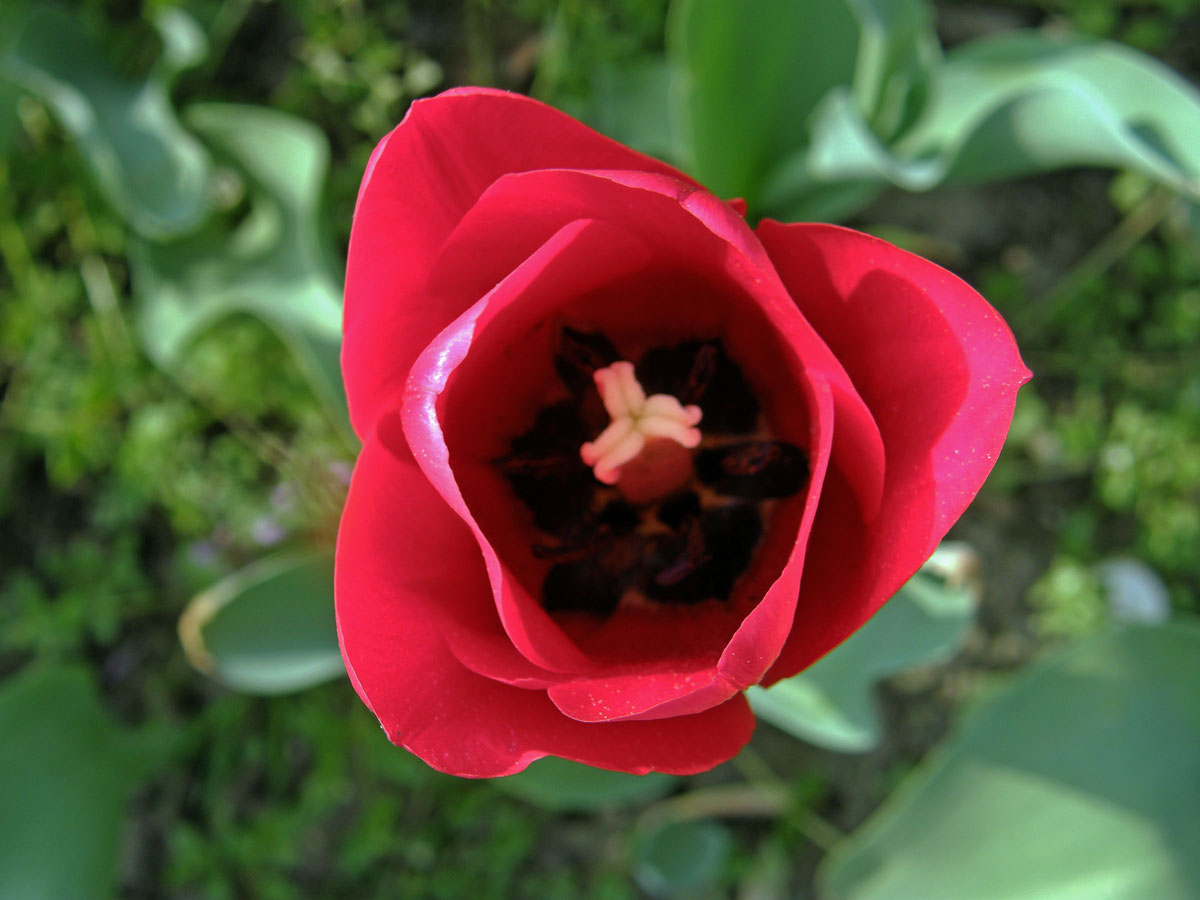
635 418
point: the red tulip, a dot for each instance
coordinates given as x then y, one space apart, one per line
795 415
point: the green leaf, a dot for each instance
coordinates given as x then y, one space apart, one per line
750 75
565 786
1013 105
272 265
151 170
831 703
632 104
681 859
268 628
1078 781
66 771
1031 102
897 50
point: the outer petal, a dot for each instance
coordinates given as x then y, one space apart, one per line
396 596
939 370
419 182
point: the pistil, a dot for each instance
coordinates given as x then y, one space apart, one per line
644 449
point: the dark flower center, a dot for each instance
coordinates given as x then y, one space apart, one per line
690 538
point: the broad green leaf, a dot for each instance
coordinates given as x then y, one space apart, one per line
565 786
66 772
896 51
151 170
269 628
735 98
1008 106
796 193
750 75
844 168
1078 781
831 703
682 859
632 104
272 264
1028 102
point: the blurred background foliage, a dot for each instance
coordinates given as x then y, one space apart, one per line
170 414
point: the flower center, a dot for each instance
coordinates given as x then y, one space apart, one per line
649 511
644 448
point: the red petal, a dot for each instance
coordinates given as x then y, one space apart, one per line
419 182
396 598
939 370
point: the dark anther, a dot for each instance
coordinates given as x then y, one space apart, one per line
703 564
543 466
578 355
545 471
570 551
704 367
583 586
619 517
750 459
674 512
701 372
755 470
595 583
558 429
732 533
616 520
688 561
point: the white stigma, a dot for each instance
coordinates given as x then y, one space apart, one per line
635 417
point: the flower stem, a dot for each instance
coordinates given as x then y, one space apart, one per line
763 795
